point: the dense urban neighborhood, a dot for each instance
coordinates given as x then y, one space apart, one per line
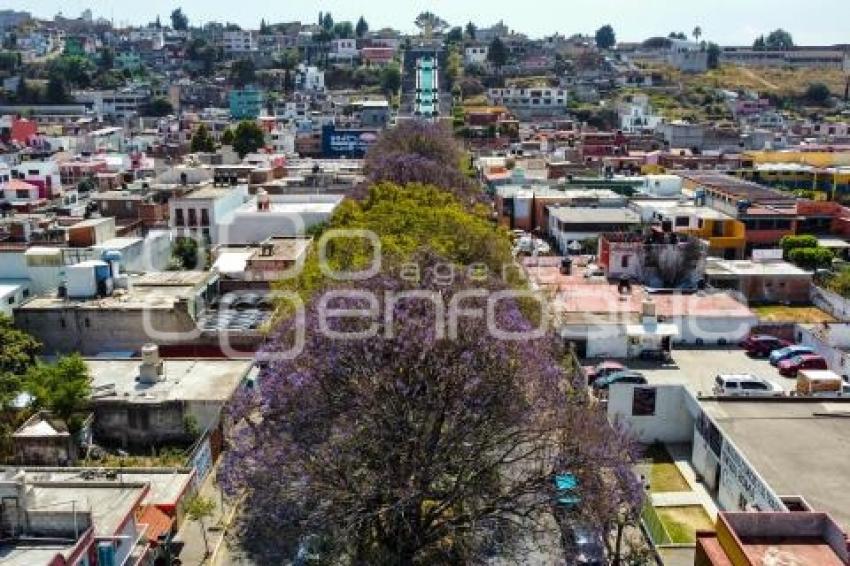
324 292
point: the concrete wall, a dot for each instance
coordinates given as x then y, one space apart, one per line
673 421
93 331
711 330
829 341
834 304
164 423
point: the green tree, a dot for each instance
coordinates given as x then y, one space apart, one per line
811 258
391 78
713 51
179 20
817 94
788 243
264 28
605 37
248 138
779 40
199 509
362 27
497 55
227 137
471 31
697 33
184 254
56 91
73 69
430 23
159 107
107 60
243 72
63 388
343 30
455 35
17 348
328 22
454 65
202 140
759 44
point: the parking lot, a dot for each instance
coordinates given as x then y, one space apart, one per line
697 369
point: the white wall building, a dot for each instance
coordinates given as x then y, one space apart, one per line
239 41
475 54
268 216
531 101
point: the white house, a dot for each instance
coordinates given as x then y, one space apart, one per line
475 54
239 41
310 79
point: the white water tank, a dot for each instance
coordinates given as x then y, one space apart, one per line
81 280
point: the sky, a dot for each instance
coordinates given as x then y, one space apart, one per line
811 22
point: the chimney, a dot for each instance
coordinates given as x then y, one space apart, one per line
151 370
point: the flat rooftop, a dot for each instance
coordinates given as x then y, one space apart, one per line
166 484
209 192
184 380
586 214
28 553
798 448
576 295
109 504
674 207
139 297
735 187
745 267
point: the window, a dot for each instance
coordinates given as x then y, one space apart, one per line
624 262
753 386
205 217
178 217
643 401
682 222
11 300
193 217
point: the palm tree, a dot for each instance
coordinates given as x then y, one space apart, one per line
697 33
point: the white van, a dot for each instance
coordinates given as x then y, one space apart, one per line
745 385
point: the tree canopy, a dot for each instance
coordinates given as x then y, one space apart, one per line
430 23
248 138
202 140
362 27
179 20
497 54
605 37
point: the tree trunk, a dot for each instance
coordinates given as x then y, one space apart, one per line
618 545
204 534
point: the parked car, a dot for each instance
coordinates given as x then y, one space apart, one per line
745 385
625 376
762 345
603 369
791 366
586 545
781 354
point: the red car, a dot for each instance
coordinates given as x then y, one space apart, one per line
791 366
762 345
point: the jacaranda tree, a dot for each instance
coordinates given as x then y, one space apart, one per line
417 151
427 438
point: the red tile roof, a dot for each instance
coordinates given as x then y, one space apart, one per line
158 523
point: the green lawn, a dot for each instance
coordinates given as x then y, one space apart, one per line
664 476
682 523
781 313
